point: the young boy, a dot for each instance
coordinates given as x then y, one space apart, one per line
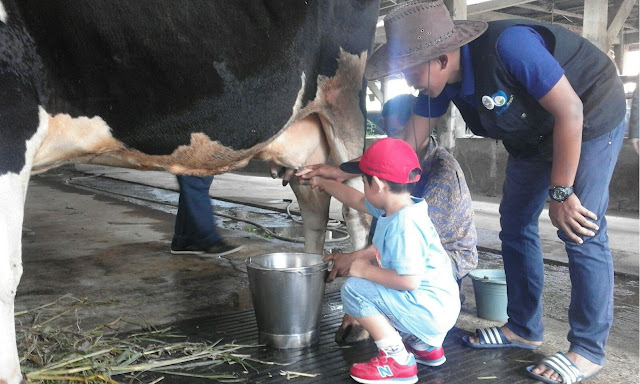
409 293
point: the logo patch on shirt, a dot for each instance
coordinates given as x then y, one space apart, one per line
498 102
500 98
488 102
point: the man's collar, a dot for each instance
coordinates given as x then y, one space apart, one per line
468 80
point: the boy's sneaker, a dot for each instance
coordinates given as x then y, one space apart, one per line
221 248
384 369
432 357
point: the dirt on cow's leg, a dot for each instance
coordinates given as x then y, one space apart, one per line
350 331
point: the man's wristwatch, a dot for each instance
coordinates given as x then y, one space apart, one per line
560 193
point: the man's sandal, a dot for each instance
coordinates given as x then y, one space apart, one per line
561 364
493 337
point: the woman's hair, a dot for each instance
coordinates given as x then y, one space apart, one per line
401 105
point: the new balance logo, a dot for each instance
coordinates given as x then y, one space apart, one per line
385 371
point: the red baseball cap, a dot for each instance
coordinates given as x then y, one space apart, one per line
389 159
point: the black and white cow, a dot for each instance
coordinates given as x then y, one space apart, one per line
196 87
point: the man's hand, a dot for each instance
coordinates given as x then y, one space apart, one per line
322 170
572 218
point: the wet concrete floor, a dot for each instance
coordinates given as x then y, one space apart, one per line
107 241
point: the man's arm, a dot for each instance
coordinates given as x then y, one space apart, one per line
325 171
566 107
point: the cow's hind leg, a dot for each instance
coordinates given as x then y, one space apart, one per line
314 209
22 125
11 215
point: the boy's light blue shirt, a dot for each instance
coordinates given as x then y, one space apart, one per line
408 243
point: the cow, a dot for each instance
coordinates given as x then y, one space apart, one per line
190 87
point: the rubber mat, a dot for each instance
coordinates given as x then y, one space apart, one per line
331 362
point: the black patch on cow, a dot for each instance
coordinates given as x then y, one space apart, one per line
20 85
158 70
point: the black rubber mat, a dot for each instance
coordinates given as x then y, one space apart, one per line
331 361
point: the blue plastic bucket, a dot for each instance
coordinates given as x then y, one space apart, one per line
490 289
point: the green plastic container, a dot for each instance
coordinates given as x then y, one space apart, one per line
490 289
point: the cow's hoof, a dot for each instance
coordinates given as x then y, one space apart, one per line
351 334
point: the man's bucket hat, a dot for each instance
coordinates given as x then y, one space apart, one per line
418 31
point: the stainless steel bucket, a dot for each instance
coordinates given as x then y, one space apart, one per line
287 291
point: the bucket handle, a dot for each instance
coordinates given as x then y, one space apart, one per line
324 266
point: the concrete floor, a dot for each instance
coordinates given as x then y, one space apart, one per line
113 251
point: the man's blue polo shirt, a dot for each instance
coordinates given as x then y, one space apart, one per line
524 54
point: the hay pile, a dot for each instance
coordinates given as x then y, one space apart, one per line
50 354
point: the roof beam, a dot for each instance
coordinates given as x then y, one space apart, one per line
490 16
556 11
494 5
618 21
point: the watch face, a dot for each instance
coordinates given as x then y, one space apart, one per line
559 194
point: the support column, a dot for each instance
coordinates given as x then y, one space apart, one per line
594 25
451 125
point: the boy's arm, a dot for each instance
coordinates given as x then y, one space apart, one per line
348 196
388 277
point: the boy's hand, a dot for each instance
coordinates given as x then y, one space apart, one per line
314 182
341 265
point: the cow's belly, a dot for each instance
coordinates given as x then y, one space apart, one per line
89 140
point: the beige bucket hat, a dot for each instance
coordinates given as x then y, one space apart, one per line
418 31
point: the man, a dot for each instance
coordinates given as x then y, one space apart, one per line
195 228
556 102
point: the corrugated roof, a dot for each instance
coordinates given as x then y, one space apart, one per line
569 13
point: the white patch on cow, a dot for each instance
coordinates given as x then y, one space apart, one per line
13 189
3 13
70 139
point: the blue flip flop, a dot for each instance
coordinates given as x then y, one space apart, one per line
493 337
561 364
